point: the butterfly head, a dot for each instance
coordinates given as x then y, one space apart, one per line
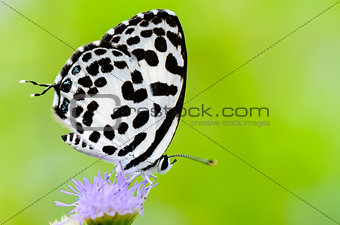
164 164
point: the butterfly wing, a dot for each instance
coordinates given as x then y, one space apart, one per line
133 84
156 39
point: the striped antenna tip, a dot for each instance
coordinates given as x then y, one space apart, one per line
212 162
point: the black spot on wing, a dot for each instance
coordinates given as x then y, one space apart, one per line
140 95
157 20
93 68
79 95
159 31
136 77
88 118
77 140
100 82
130 94
95 136
105 64
162 14
76 70
116 39
64 137
100 51
105 44
133 40
77 111
141 119
109 149
127 90
64 106
146 33
156 109
144 23
129 30
83 144
92 91
122 111
172 66
85 81
87 57
116 53
120 64
104 61
62 109
109 133
163 89
170 22
149 15
138 139
134 20
160 44
151 58
79 128
124 49
107 37
120 28
173 37
66 86
93 106
139 53
123 128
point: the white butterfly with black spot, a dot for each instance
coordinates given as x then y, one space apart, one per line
122 95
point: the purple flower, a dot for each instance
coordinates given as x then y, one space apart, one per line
105 199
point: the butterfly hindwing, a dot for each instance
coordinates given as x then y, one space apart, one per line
123 95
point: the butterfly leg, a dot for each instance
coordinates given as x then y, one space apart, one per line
133 177
114 169
109 176
121 168
147 178
151 183
153 176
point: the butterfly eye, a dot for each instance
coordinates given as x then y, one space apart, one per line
164 163
76 70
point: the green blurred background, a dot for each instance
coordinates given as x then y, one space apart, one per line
298 80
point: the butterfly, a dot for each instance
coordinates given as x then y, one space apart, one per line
122 96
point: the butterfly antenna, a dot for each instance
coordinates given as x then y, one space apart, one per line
208 162
48 86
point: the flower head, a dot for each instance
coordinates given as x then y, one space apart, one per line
106 199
